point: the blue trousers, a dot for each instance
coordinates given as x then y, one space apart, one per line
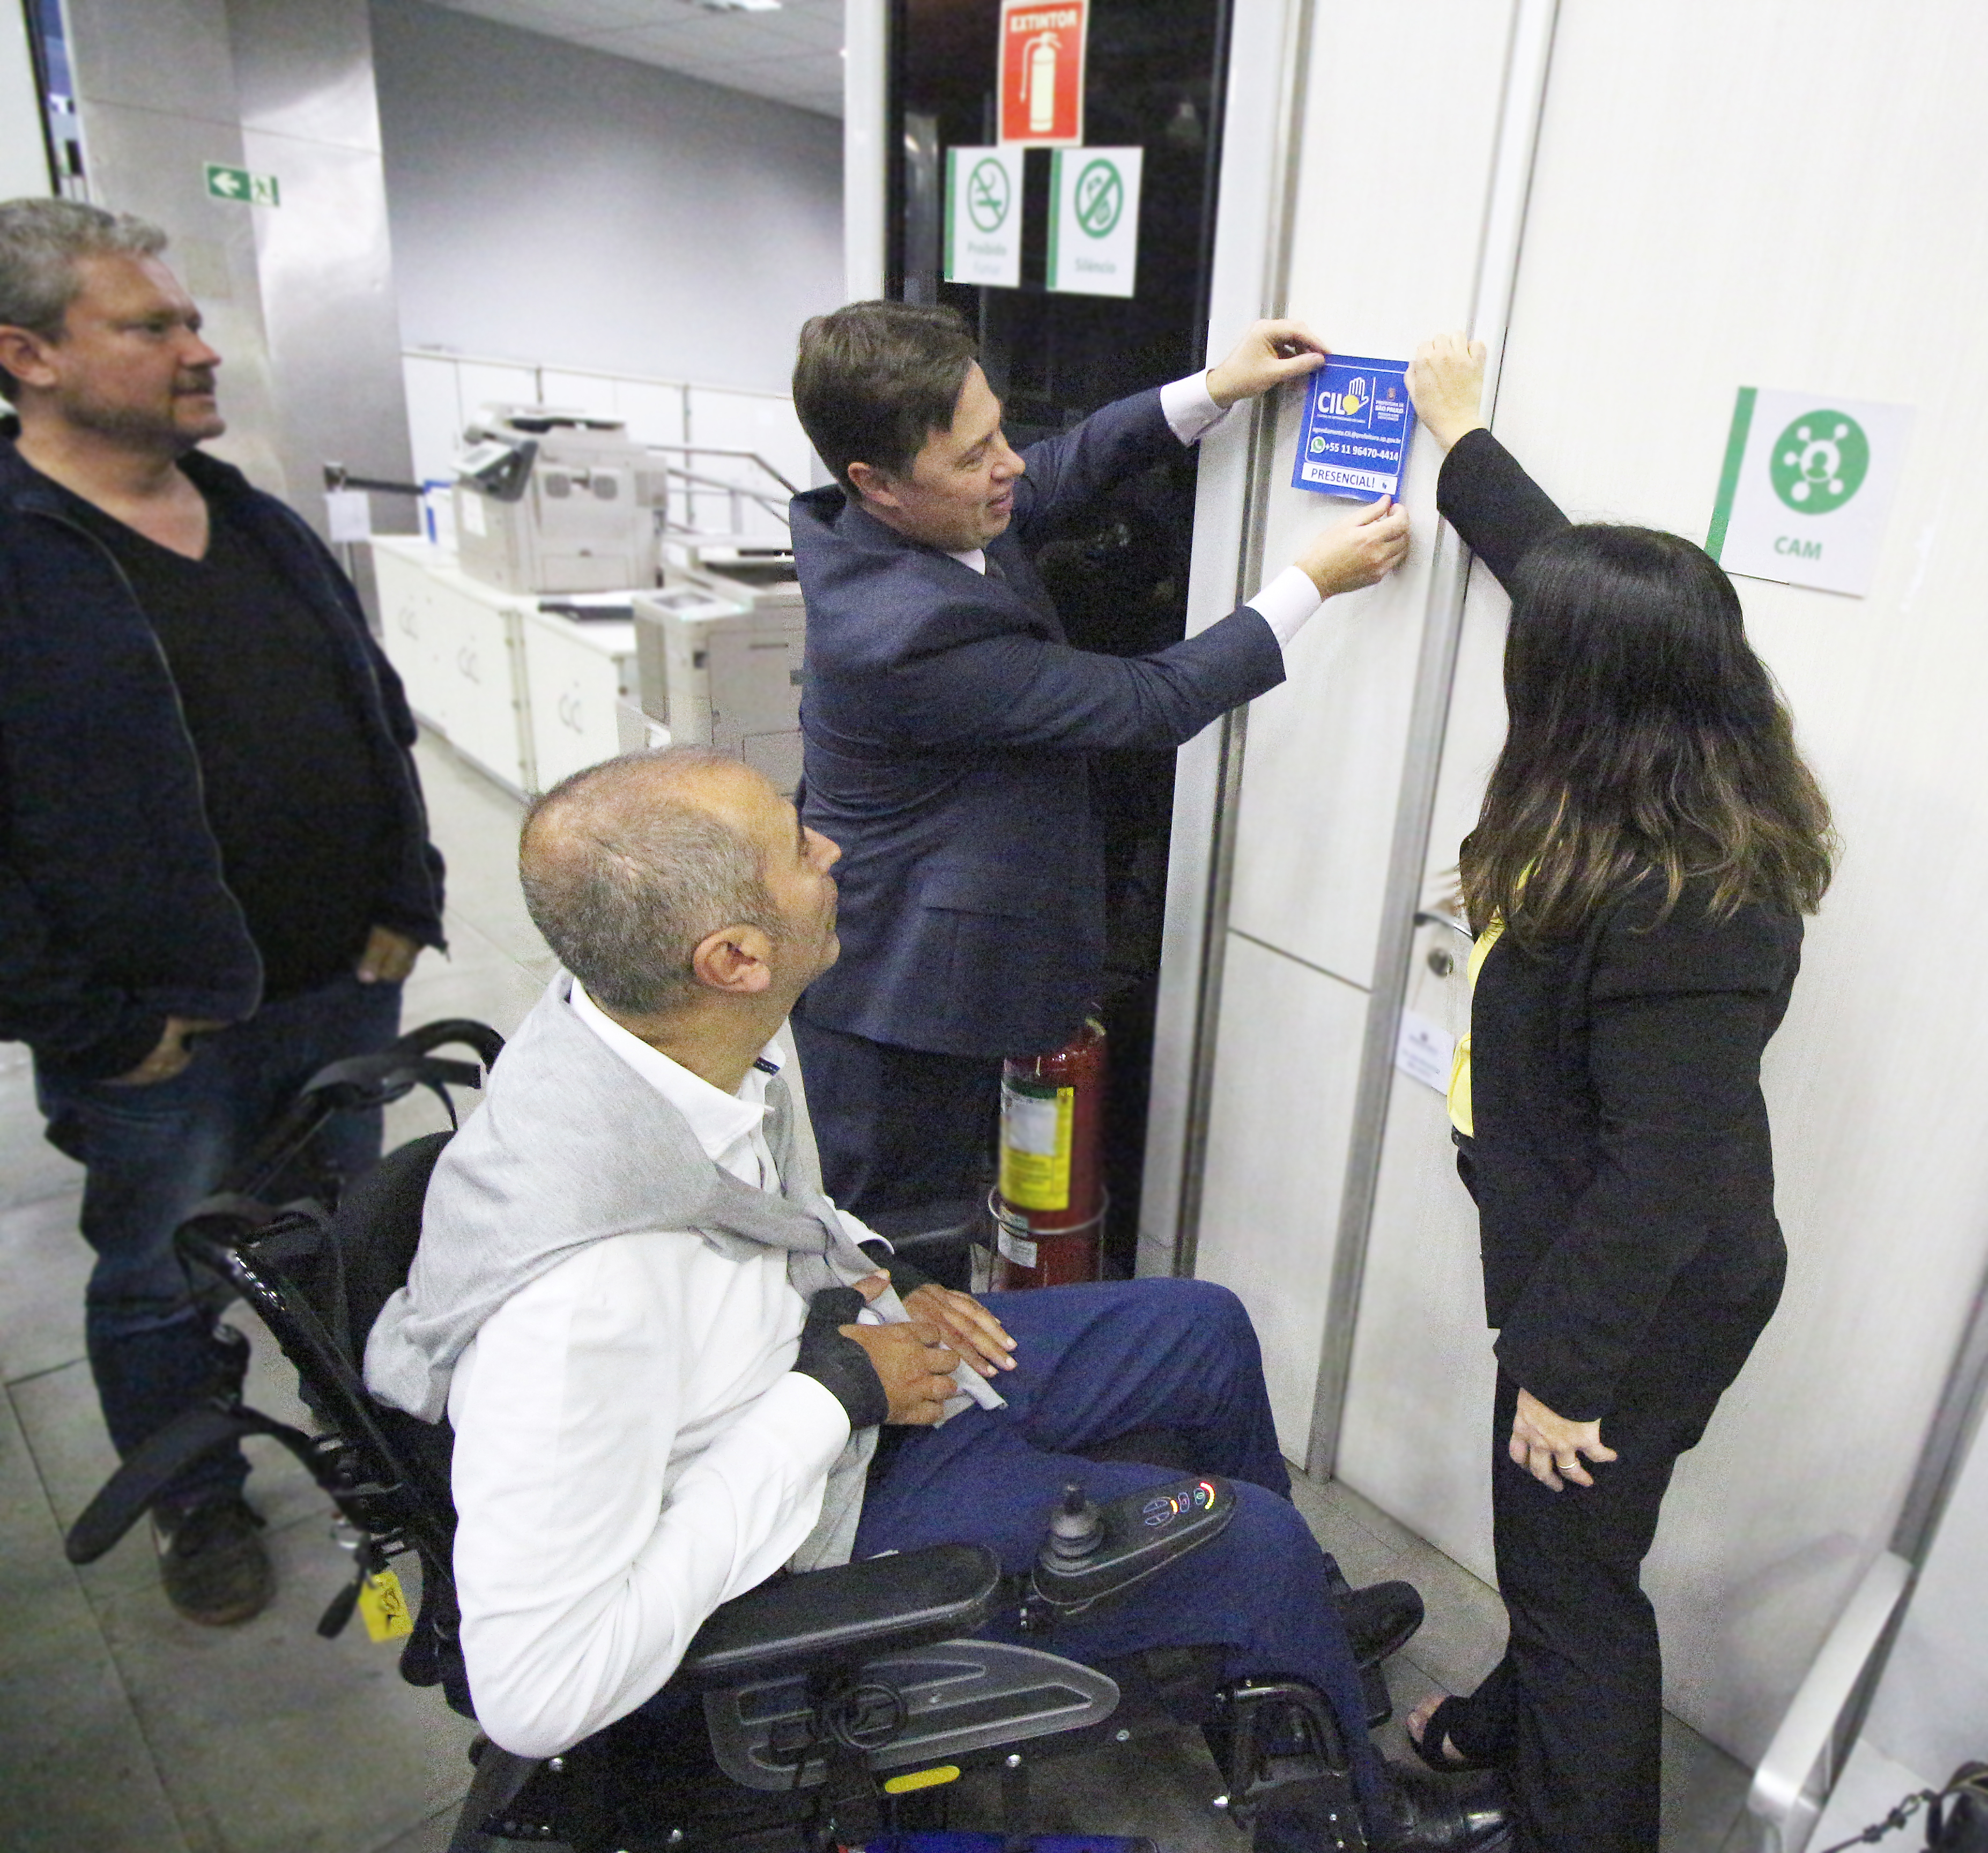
1096 1362
151 1154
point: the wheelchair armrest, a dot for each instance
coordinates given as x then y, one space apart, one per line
124 1497
843 1616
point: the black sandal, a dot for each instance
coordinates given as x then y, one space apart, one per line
1429 1746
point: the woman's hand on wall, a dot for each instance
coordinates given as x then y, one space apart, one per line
1549 1446
1446 382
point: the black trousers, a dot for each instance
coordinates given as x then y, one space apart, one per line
896 1128
1573 1713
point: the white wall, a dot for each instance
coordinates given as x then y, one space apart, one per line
549 203
1727 192
24 161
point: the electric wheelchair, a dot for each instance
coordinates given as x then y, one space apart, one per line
827 1710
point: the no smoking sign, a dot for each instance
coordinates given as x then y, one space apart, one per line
983 217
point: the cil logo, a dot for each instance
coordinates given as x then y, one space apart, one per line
1355 402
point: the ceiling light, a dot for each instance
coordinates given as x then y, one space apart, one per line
736 6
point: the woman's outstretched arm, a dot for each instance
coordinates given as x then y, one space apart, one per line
1499 511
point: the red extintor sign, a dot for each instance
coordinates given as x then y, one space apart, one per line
1042 71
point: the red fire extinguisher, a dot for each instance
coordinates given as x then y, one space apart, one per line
1049 1207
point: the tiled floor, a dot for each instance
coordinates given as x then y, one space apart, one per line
123 1729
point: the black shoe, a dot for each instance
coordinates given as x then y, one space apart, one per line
1442 1814
1380 1620
213 1565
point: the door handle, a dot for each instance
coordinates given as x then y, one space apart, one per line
1441 958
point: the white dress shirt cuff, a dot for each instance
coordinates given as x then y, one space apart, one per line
1286 602
1191 413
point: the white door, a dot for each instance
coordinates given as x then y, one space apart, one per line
1325 749
1733 193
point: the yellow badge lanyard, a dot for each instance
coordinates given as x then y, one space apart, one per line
1460 1115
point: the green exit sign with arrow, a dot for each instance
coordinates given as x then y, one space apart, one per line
238 183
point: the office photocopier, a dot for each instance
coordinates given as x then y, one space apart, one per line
719 650
547 500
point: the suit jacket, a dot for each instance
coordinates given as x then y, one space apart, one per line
948 725
1622 1154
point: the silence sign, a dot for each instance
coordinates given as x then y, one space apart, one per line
1100 198
1093 244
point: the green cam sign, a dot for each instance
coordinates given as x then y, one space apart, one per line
1806 487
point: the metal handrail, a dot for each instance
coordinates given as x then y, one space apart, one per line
715 450
739 492
336 476
1425 917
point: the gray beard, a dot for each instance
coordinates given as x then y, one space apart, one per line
137 429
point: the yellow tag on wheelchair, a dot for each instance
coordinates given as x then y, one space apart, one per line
382 1605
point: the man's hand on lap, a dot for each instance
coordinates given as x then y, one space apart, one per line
968 1326
915 1365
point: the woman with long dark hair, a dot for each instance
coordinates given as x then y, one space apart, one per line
1648 844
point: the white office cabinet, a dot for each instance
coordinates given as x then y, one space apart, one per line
456 645
407 626
575 674
478 630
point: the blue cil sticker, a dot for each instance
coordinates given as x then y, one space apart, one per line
1357 424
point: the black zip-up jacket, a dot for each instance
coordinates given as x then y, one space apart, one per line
1622 1156
114 912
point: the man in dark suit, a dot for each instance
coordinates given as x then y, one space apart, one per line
948 723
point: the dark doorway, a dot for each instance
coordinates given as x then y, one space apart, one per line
1155 77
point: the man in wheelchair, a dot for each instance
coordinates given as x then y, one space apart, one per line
667 1359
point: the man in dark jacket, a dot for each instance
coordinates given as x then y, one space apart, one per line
214 870
948 723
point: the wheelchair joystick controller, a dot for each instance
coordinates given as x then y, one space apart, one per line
1076 1532
1093 1552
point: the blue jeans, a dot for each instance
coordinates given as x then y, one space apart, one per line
151 1154
1094 1363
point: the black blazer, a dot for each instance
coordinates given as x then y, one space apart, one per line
1622 1152
947 726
